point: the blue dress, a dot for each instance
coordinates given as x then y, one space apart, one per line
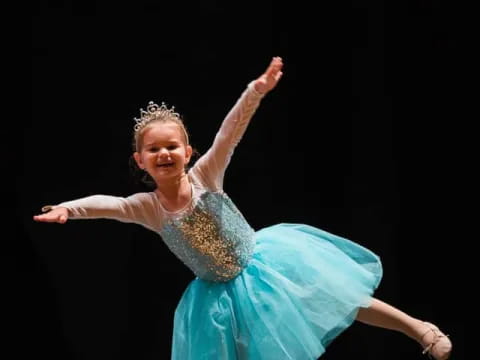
281 293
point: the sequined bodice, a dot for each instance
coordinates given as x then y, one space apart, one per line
213 239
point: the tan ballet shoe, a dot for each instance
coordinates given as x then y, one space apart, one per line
438 345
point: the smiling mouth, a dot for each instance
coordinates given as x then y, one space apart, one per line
165 165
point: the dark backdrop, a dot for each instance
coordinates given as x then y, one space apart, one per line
353 140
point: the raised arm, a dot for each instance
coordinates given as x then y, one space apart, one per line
210 168
139 208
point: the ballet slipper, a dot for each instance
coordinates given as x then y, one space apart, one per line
436 344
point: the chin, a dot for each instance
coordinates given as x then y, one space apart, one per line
172 173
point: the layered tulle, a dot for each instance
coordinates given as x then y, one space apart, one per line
300 290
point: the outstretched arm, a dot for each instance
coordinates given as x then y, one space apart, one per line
210 168
138 208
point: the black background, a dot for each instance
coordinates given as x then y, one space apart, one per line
360 138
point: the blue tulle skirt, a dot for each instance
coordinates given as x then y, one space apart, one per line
301 289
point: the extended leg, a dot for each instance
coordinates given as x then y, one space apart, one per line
383 315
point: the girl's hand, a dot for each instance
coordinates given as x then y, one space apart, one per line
58 215
269 79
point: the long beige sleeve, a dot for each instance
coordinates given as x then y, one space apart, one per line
210 168
140 208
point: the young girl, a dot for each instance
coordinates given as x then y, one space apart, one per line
283 292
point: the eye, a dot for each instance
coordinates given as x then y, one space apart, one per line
153 149
172 147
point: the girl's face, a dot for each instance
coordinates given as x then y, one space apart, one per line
163 153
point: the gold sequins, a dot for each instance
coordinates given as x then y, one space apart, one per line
213 239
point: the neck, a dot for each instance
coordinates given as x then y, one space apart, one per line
174 188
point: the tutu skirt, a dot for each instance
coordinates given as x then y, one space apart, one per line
301 289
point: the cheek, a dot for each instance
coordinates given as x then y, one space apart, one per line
177 153
146 157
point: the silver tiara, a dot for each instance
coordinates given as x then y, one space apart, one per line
154 112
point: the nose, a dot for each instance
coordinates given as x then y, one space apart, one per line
164 153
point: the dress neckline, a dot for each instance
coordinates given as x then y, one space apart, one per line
187 205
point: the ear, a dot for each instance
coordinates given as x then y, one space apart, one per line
138 160
188 153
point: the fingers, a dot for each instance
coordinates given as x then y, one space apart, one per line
276 61
275 67
52 214
40 218
45 218
269 79
58 218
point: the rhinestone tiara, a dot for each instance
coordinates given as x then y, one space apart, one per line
153 112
